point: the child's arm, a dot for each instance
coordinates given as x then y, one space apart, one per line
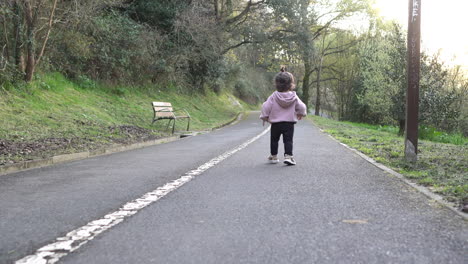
301 109
266 109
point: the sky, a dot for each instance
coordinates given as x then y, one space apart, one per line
444 26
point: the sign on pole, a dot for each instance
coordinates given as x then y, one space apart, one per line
413 72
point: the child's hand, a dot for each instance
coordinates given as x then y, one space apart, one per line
299 116
265 119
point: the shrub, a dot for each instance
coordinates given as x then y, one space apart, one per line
109 47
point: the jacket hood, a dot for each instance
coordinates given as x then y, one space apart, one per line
285 99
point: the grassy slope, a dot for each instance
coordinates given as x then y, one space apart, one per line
442 167
89 116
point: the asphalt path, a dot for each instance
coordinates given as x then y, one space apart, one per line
332 207
36 206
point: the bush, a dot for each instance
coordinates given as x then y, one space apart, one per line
9 73
157 13
109 47
85 83
245 91
431 134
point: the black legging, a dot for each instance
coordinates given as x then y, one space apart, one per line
287 130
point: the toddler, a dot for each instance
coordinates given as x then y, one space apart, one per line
283 109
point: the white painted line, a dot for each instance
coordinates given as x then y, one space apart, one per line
73 240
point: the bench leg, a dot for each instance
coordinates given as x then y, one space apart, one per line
154 121
167 127
188 124
173 126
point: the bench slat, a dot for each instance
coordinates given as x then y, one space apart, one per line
163 109
164 114
159 104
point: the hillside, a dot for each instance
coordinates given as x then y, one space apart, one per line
53 115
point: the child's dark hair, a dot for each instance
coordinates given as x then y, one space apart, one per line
284 81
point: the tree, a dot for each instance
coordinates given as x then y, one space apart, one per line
440 94
333 42
382 74
303 22
341 69
199 33
12 37
32 23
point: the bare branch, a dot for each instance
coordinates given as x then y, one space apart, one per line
3 60
341 48
5 33
237 45
244 12
52 12
325 80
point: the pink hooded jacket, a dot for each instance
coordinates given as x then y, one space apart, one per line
283 107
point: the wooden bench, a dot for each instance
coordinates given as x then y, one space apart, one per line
164 110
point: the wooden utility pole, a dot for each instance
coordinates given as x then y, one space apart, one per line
413 72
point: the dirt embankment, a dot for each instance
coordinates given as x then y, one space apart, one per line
14 151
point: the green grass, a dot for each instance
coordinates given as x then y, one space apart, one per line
431 134
85 112
443 167
426 133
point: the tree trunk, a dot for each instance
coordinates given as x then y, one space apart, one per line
341 103
31 61
401 124
18 40
216 8
318 98
305 84
30 42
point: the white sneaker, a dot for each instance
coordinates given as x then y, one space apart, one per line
273 159
289 160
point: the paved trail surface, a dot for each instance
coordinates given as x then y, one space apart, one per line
332 207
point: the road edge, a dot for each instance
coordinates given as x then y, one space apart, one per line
58 159
428 193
